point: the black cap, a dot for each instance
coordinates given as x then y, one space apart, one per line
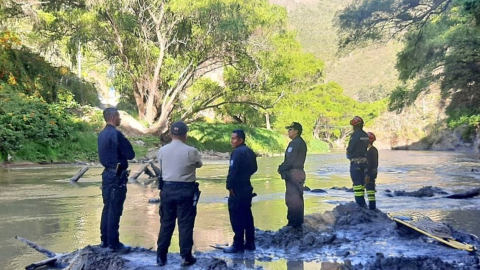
295 126
179 128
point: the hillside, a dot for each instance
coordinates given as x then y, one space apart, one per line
365 74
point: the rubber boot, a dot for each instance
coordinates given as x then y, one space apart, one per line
360 200
372 205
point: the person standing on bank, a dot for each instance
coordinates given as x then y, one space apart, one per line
113 150
243 163
178 163
371 171
357 154
291 170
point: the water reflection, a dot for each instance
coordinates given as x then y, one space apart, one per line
41 205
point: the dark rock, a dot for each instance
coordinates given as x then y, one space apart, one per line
154 200
318 190
418 263
423 192
465 195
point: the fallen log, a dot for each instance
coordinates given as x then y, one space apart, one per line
157 171
464 195
137 174
38 248
49 261
79 174
149 173
52 256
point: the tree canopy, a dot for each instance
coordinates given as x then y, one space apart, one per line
441 40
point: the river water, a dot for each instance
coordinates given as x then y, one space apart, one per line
39 203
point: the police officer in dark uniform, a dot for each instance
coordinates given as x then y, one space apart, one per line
113 150
243 163
291 170
179 194
357 154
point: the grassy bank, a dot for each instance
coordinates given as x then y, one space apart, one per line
82 146
264 142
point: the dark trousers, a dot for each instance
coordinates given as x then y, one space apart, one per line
177 202
241 218
370 187
357 173
113 199
294 197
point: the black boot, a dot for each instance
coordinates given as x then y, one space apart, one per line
161 259
250 246
360 200
372 205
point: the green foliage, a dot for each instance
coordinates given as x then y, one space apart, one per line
31 118
217 136
441 47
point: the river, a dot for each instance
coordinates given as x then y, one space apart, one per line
39 203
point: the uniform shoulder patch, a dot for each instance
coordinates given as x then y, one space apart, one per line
289 149
231 163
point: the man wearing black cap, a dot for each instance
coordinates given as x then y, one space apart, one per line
113 150
178 163
291 170
243 163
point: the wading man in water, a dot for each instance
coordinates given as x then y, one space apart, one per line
243 163
178 163
113 150
291 170
357 154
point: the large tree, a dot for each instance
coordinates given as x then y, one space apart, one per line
163 47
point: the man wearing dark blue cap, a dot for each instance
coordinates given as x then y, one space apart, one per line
178 164
243 163
291 170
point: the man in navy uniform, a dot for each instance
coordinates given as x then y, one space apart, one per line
113 150
357 154
243 163
178 163
291 170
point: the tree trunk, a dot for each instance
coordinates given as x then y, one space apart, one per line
151 108
139 95
267 120
161 125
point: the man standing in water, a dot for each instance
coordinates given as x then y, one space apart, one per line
178 164
291 170
113 150
357 154
243 163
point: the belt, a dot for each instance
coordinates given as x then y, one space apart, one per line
184 184
359 160
109 169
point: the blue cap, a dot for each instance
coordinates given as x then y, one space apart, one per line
179 128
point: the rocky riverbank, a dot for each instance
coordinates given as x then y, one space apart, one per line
348 237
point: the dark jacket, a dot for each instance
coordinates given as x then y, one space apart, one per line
372 159
243 163
295 155
114 148
357 146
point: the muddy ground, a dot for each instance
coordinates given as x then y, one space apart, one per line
348 237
